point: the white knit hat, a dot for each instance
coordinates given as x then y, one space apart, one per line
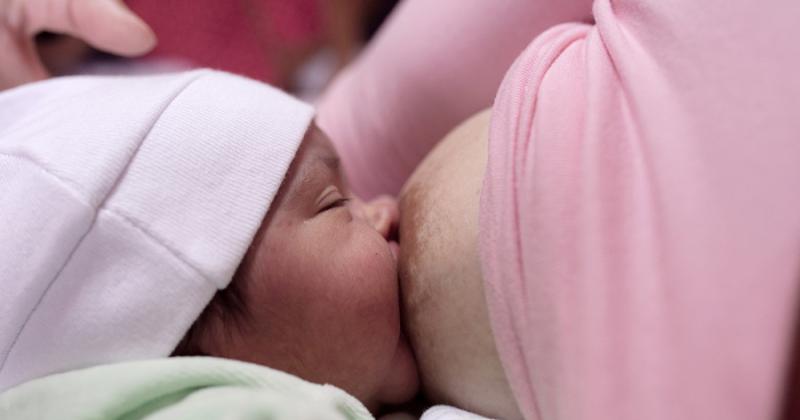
125 204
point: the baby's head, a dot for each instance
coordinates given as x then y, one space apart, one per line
317 293
212 219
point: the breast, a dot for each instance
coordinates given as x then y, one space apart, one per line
445 310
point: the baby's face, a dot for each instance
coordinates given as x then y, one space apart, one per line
321 286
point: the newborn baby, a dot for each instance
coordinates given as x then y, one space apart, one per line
129 204
316 294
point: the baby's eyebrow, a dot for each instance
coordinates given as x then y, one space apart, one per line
332 162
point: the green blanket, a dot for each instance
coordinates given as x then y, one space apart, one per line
178 388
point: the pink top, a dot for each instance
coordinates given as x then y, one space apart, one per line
432 65
641 212
640 220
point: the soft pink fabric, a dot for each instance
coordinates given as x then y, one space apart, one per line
640 216
433 64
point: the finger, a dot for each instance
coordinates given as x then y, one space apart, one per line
20 62
110 26
107 25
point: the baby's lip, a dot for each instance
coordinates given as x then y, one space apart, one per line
395 248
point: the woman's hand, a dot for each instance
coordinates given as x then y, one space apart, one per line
107 25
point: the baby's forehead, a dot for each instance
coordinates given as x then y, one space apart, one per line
320 161
315 161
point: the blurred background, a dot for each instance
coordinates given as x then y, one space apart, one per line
297 45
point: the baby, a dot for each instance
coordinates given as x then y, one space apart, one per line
192 214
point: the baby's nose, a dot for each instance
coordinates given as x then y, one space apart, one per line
383 214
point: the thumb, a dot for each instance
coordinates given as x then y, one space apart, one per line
107 25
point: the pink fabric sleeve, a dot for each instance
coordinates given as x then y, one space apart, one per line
640 218
432 65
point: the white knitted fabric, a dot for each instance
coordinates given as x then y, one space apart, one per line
446 412
125 204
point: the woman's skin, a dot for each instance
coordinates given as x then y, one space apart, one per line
445 310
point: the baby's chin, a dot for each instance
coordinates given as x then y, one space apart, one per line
402 382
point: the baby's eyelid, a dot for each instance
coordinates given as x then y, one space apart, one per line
326 194
331 198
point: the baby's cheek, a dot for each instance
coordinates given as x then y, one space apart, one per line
374 281
355 308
